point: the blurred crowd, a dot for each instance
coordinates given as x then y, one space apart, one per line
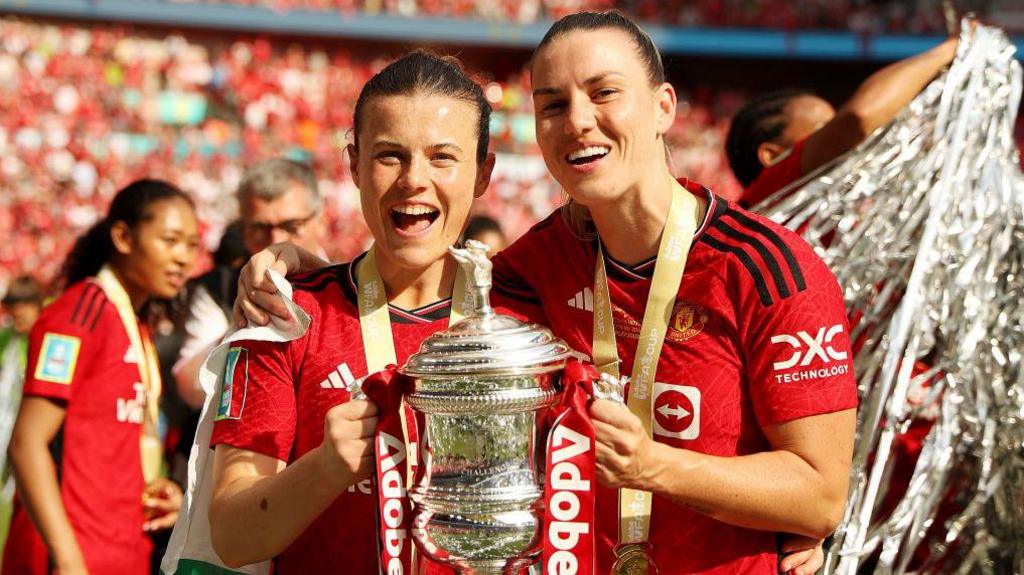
865 16
89 109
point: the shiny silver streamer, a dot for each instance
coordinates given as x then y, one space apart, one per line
923 225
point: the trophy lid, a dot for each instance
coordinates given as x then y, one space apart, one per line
486 342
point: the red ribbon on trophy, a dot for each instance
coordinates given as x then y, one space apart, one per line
571 487
569 493
392 471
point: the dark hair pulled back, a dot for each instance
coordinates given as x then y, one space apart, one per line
421 72
760 120
614 20
132 206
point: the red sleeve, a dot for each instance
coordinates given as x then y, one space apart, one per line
60 345
798 348
255 408
775 177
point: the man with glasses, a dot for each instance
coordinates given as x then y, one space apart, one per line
278 201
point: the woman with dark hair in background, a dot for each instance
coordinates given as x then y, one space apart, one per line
85 449
779 137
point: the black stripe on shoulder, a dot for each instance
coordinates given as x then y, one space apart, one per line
87 292
318 280
772 236
748 262
86 315
98 314
721 206
762 250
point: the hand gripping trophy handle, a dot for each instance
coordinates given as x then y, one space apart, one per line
477 269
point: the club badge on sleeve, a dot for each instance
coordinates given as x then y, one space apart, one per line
57 358
233 384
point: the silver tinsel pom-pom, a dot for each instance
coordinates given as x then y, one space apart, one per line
923 225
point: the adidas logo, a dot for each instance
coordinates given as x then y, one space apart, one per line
340 378
584 300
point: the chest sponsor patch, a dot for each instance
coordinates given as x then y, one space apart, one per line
57 358
233 385
676 411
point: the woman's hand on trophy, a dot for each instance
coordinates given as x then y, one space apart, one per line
801 555
347 448
256 300
623 449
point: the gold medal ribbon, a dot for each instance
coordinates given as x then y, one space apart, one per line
378 341
375 319
635 505
150 446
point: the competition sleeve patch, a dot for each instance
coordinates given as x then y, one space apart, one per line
234 384
57 358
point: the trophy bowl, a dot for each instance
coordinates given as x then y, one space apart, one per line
481 390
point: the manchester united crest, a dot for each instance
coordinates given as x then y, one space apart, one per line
688 321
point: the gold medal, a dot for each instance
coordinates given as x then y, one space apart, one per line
634 559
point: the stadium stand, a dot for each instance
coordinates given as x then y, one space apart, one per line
90 108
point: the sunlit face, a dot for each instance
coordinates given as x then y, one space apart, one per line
417 174
285 218
600 123
156 257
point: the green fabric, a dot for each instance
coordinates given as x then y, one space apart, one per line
193 567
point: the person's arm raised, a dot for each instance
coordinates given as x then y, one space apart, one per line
256 293
875 103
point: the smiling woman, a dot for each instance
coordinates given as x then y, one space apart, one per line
85 451
690 296
291 462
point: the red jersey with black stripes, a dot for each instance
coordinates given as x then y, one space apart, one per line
80 357
280 394
757 337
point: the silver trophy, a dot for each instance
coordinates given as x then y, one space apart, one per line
480 391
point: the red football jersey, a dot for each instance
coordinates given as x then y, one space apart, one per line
758 336
775 177
80 356
280 402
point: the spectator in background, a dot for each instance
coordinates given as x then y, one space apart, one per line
87 506
278 201
780 137
487 230
23 301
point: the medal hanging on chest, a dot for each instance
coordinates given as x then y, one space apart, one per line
633 550
150 446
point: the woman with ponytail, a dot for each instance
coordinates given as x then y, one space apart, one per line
85 450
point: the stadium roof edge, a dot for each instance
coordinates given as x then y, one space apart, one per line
725 42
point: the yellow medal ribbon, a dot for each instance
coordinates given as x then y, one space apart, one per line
375 319
149 372
378 341
635 505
